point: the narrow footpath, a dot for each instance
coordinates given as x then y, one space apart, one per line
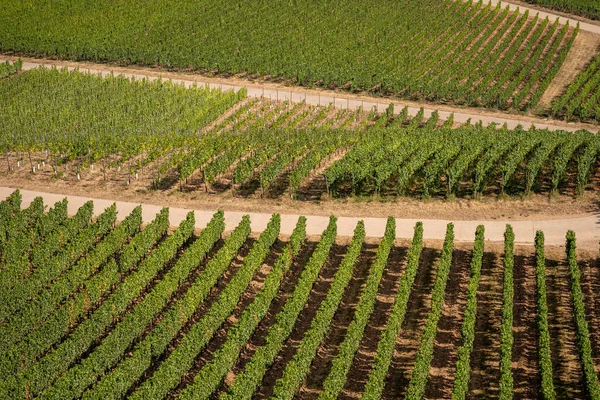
314 97
586 228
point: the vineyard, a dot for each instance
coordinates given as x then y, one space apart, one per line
581 100
164 136
467 53
585 8
96 309
7 68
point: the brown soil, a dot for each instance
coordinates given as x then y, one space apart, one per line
584 48
448 338
526 377
534 207
317 295
566 365
485 356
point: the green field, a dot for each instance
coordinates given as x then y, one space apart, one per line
95 309
581 100
441 51
166 133
585 8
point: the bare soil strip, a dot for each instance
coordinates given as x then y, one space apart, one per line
317 295
448 339
321 364
566 364
526 375
485 357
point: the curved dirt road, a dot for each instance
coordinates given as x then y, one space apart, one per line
584 26
587 228
315 97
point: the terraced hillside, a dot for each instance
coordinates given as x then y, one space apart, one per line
443 51
585 8
165 136
96 310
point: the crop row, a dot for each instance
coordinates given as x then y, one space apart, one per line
7 68
36 377
586 8
297 368
387 343
463 364
338 374
545 355
584 345
581 99
249 379
420 373
425 51
169 373
131 316
15 299
209 378
506 329
27 341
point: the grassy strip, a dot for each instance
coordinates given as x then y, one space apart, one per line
463 364
250 378
506 330
169 373
418 380
334 383
210 377
542 308
583 334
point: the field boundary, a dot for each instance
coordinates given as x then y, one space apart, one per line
587 228
312 97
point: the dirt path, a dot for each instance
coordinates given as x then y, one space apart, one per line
525 331
584 48
584 24
315 97
564 16
566 363
485 356
587 228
